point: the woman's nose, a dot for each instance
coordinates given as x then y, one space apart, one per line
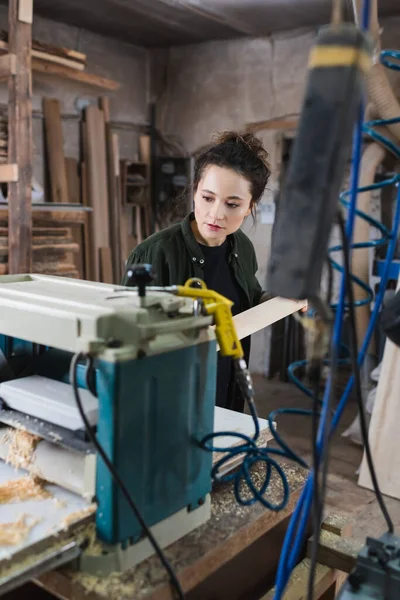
217 211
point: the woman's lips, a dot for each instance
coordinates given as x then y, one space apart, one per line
213 227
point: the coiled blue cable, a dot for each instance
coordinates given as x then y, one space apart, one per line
296 530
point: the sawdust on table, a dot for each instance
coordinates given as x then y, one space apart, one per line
25 488
22 445
78 515
16 532
115 585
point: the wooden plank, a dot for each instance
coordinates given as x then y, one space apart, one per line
113 195
273 124
59 60
384 426
82 77
97 182
25 11
48 52
55 150
8 173
73 182
336 552
106 271
338 524
20 148
265 314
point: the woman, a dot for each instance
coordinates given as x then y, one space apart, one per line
229 181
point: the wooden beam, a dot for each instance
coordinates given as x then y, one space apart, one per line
81 76
8 173
20 144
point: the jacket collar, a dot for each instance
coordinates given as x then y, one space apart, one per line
191 242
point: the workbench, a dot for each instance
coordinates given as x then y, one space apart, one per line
234 555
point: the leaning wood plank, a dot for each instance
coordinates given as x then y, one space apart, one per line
55 150
97 182
20 145
106 272
67 73
115 225
265 314
384 426
8 173
73 183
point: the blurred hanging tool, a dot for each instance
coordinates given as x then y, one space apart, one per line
338 64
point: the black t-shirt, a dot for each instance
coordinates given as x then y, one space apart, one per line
218 276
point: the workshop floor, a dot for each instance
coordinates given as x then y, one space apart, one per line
343 495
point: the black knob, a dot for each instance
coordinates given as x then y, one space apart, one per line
140 276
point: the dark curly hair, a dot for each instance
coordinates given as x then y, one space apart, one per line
241 152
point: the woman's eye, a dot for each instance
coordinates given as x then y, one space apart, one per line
233 205
207 198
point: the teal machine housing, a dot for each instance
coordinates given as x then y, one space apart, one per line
153 413
154 409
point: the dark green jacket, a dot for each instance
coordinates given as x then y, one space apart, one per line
176 256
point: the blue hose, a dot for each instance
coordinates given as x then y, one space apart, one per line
295 534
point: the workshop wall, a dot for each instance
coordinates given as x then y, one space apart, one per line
106 57
221 85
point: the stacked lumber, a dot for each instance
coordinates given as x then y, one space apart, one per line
100 168
52 248
49 53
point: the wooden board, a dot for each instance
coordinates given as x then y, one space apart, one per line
384 426
97 182
113 193
73 182
55 150
49 68
106 273
265 314
20 146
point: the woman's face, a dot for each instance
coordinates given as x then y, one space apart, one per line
221 203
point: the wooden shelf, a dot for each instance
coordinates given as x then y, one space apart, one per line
39 66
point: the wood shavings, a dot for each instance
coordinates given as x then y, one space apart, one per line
116 585
15 533
25 488
21 448
78 515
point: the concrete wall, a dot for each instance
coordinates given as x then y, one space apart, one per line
221 85
109 58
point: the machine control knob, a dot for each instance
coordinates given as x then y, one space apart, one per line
140 276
